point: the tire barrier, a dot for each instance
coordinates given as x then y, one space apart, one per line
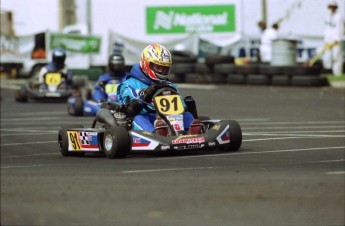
215 70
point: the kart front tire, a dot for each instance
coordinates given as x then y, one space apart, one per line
78 106
63 141
116 142
21 95
235 136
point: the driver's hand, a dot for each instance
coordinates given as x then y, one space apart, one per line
147 93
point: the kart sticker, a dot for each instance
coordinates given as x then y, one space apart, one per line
53 79
83 141
190 140
169 105
140 142
224 136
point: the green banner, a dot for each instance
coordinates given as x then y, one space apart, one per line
188 19
76 43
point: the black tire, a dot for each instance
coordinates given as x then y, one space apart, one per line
305 80
281 80
212 60
202 68
215 78
182 68
21 94
63 141
235 136
301 70
116 142
271 70
176 78
195 78
248 69
79 106
80 81
183 56
238 79
224 68
258 80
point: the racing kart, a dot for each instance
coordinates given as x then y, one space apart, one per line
81 103
116 138
54 86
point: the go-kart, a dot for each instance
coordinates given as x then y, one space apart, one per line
81 103
116 138
54 86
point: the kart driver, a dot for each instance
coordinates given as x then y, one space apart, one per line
56 65
117 72
153 69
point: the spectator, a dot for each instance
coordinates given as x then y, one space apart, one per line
267 37
333 56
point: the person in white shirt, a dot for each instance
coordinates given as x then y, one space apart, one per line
267 37
333 56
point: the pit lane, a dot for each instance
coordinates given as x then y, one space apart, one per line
289 170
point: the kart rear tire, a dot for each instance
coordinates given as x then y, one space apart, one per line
63 141
21 94
235 137
116 142
78 106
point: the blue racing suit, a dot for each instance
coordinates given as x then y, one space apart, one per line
99 94
134 82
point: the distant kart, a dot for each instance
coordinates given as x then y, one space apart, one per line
82 104
116 139
54 87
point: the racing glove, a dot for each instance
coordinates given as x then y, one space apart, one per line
134 107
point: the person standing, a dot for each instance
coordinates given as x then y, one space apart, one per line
333 56
267 37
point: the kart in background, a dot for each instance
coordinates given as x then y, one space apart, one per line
116 138
82 103
54 87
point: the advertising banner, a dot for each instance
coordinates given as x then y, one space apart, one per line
131 49
76 43
189 19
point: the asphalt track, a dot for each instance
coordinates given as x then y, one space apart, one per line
289 170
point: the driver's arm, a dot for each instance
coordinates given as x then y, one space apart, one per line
128 97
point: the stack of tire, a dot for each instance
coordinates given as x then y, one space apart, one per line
223 70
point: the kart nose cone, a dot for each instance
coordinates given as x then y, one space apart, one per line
108 142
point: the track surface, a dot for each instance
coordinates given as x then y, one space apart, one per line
289 171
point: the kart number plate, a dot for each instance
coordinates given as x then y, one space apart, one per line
111 88
74 140
53 79
169 105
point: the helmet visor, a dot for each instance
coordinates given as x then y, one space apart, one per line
159 69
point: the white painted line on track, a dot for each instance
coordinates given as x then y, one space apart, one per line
29 134
32 155
299 123
290 136
29 166
294 127
254 152
171 169
196 86
28 143
336 173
